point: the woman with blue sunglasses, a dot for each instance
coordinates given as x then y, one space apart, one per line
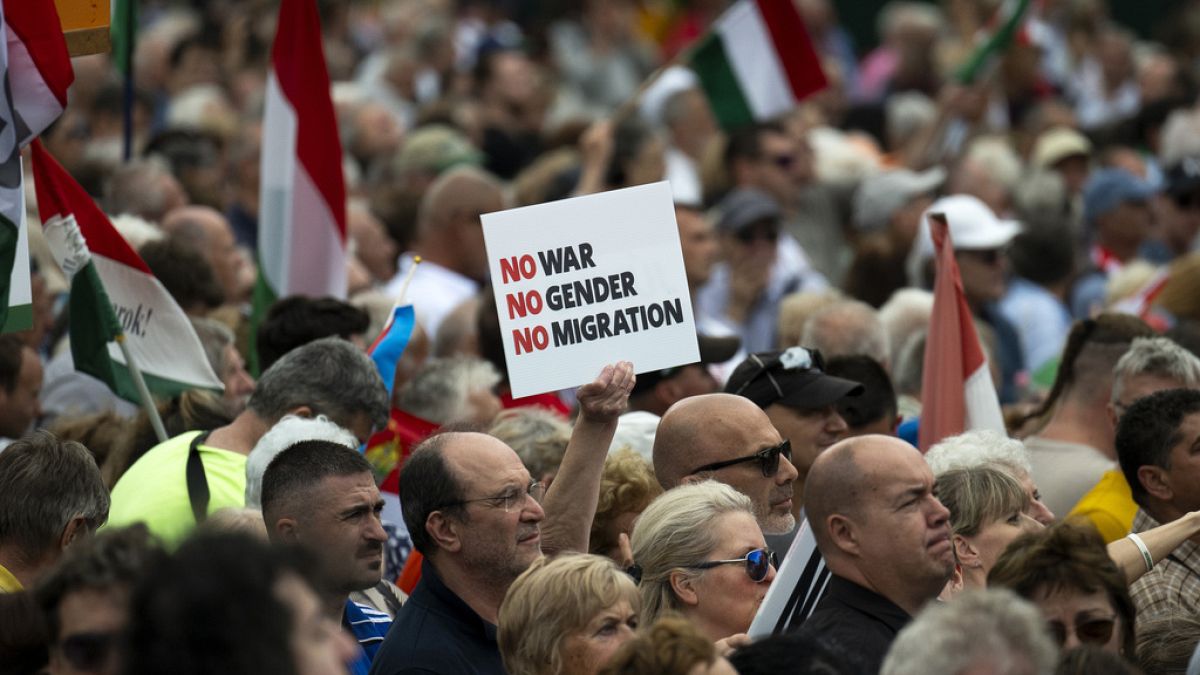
699 551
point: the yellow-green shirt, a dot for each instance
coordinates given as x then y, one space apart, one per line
1109 506
9 583
154 490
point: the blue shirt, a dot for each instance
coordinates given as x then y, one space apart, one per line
369 626
436 632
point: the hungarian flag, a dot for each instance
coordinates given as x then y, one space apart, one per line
114 296
957 393
36 71
302 208
1007 22
757 62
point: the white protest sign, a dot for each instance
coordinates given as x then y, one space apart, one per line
589 281
798 586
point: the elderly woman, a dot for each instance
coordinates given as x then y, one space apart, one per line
987 512
700 553
1065 570
626 488
990 448
567 615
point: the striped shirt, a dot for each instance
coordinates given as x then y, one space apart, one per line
369 626
1173 586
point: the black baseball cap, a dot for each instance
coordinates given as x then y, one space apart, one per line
712 350
794 377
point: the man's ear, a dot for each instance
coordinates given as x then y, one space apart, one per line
1111 412
692 479
968 555
843 534
75 529
684 587
302 411
1155 481
286 531
445 532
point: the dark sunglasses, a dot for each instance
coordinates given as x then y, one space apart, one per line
749 235
783 161
989 256
1094 632
87 651
768 459
758 563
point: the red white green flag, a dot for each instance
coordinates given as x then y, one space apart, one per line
36 71
114 296
302 207
957 393
757 62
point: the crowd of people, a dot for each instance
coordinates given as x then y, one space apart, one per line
318 516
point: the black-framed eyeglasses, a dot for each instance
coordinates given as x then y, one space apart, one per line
768 459
758 563
1092 632
87 651
510 498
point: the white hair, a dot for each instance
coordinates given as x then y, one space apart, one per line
1157 356
287 432
997 157
904 315
439 391
908 113
992 627
197 106
135 230
981 447
847 328
1180 137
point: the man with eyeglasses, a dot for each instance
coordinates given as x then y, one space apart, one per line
476 516
85 600
885 538
320 496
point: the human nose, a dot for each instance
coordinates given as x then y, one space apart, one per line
939 514
1042 513
771 571
375 531
834 422
787 471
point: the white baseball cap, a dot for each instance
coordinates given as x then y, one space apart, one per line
973 227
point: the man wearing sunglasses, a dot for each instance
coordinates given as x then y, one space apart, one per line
85 600
756 268
730 440
885 539
791 387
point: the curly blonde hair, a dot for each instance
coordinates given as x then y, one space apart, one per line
628 485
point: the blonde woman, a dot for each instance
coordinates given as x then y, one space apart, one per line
569 614
987 512
700 552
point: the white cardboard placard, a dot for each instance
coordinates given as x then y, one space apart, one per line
589 281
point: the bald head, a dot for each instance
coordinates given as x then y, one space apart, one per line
876 521
701 430
208 232
450 232
734 435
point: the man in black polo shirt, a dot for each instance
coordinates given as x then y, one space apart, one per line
884 537
475 513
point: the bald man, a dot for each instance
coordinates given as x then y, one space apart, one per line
728 439
450 243
884 537
208 232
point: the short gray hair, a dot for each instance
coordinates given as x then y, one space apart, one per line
330 376
438 391
908 370
904 315
134 188
677 530
981 447
1157 356
992 626
214 338
44 484
847 328
287 432
537 435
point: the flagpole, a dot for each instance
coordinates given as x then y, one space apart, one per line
143 390
127 48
